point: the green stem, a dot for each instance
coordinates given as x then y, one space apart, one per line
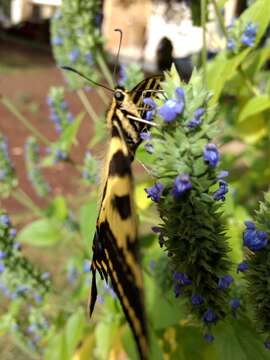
89 108
104 68
220 19
12 108
204 50
253 89
26 201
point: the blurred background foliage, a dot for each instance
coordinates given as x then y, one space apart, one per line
44 265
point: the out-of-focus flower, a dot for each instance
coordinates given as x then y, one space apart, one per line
249 35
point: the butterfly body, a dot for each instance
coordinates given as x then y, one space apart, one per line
115 244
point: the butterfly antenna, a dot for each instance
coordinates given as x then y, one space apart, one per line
85 77
116 65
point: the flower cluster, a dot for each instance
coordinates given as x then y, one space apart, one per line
241 36
33 169
59 110
7 174
185 166
256 266
90 168
76 39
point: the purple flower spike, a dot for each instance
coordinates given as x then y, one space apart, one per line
219 194
173 107
225 281
211 155
155 191
181 185
209 317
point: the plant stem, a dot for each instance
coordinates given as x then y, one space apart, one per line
220 19
253 89
89 108
104 68
12 108
204 50
26 201
103 96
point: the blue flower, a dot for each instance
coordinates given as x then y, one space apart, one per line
197 299
60 155
254 239
38 298
235 303
209 337
2 267
57 40
152 264
49 101
230 44
89 58
64 105
17 246
155 191
225 281
267 344
177 290
209 317
221 191
181 278
145 135
196 120
181 185
149 148
12 232
149 115
100 299
150 102
243 266
86 265
156 229
173 107
32 328
74 55
4 219
3 254
211 155
249 35
70 117
222 174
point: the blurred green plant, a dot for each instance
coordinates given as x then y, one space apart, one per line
202 277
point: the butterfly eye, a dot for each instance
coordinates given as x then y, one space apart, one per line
119 96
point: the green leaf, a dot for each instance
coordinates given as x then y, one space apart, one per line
58 208
57 348
69 134
42 232
105 333
88 216
254 106
252 129
74 331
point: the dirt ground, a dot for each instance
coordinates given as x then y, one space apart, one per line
26 74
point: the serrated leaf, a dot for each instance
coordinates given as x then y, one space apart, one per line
42 232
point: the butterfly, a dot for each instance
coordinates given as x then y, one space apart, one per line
115 244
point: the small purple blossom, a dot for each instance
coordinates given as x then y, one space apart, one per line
2 267
86 266
145 135
123 75
197 299
12 232
149 115
196 120
209 337
222 174
45 276
211 155
209 317
235 303
100 299
230 44
149 148
173 107
267 344
254 239
242 267
249 35
74 55
181 278
152 264
156 229
155 191
17 246
4 219
57 40
3 254
150 102
64 105
225 281
219 194
181 185
89 58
